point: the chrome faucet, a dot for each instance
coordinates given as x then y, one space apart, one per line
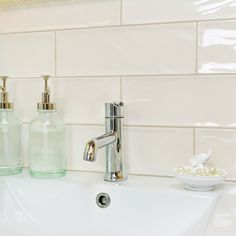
112 140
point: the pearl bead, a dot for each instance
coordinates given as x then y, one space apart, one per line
211 172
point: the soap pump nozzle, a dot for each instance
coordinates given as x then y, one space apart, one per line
46 104
4 104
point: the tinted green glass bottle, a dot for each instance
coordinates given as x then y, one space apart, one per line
10 136
47 140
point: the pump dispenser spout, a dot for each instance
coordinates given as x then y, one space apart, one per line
46 104
46 93
4 104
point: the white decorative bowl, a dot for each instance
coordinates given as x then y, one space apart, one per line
200 183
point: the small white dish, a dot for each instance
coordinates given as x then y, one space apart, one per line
200 183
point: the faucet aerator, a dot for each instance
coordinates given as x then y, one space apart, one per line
90 152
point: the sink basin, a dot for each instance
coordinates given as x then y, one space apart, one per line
67 206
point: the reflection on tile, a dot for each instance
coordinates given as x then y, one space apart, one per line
180 100
139 11
223 145
60 15
156 151
77 137
127 50
217 47
27 55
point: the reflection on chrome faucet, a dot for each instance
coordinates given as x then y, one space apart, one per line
112 140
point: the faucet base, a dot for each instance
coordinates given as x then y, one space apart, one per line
115 176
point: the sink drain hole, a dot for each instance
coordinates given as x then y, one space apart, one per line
103 200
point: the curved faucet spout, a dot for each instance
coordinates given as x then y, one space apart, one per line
90 152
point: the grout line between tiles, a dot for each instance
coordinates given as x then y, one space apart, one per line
138 174
196 56
131 174
151 126
230 181
129 76
55 53
72 124
194 141
151 175
121 89
84 124
121 12
157 126
120 26
126 76
85 171
179 127
216 127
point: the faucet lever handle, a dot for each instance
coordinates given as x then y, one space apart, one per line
114 110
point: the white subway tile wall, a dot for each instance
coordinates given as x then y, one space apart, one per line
85 98
140 50
172 63
223 145
217 44
152 11
157 150
180 100
25 93
24 55
62 15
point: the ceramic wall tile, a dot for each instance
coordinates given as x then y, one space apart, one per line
157 151
222 142
60 15
127 50
217 43
180 100
83 100
25 94
78 100
151 11
27 55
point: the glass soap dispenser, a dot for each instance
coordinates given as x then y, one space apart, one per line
47 140
10 137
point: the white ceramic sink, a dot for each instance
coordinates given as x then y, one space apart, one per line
67 207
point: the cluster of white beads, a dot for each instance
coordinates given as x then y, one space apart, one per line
199 172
